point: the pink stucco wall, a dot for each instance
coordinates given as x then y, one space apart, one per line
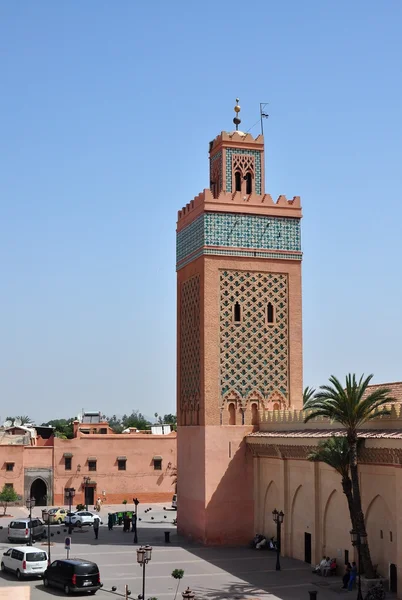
215 490
139 479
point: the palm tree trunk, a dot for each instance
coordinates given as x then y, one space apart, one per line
347 490
367 565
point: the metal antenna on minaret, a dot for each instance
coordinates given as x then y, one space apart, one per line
236 120
263 115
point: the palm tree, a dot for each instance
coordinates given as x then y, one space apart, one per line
335 453
308 393
351 406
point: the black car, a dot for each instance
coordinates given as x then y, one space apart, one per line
73 575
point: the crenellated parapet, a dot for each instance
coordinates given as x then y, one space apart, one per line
236 202
294 419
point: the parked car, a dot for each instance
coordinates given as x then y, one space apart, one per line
174 502
81 517
19 530
57 515
73 575
25 560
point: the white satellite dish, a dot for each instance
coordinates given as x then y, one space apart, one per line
17 423
7 423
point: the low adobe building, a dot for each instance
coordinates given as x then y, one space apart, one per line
96 463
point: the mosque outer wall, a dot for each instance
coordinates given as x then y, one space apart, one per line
311 496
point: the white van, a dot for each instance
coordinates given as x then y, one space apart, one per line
25 561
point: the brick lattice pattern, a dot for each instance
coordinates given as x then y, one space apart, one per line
190 356
253 354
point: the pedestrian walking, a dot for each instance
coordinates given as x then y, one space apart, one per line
96 528
110 521
126 522
353 575
346 576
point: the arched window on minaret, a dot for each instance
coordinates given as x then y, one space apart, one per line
237 313
249 183
270 313
254 414
232 414
237 181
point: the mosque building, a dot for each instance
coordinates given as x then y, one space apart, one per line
242 444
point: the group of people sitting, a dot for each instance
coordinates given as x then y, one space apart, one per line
260 541
326 567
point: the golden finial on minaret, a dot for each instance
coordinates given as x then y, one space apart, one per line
236 120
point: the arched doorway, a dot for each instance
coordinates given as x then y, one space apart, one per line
39 492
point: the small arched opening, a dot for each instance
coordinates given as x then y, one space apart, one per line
249 183
254 414
237 313
232 414
270 313
39 492
237 181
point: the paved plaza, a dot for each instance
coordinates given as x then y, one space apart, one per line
212 573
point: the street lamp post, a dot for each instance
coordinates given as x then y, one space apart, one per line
46 515
359 540
70 495
86 482
144 554
30 504
278 519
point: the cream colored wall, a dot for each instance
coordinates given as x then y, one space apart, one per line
311 496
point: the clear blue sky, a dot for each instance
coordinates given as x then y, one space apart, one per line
107 109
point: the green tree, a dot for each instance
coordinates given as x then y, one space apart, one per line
308 393
63 428
335 453
352 407
177 574
170 419
136 419
114 422
7 495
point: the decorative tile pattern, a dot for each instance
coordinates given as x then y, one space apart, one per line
190 356
212 232
252 231
253 354
257 161
190 239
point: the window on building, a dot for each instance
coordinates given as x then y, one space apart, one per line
92 465
249 183
232 414
103 430
9 466
237 313
157 464
9 486
121 463
67 463
270 313
254 414
237 181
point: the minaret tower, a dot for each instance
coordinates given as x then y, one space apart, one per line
239 336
